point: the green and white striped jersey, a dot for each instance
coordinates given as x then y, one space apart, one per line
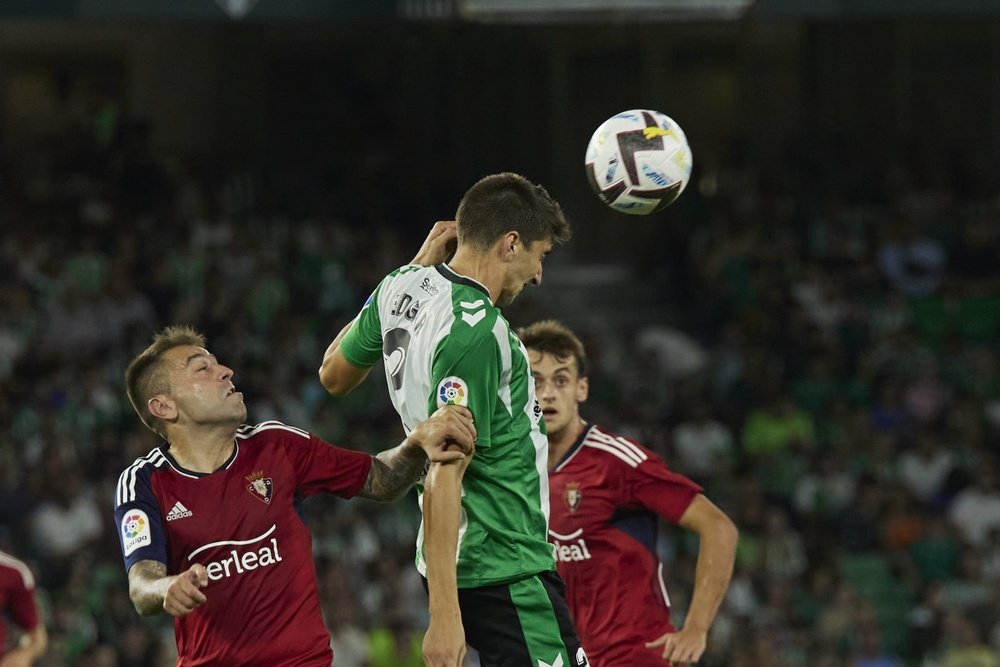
443 341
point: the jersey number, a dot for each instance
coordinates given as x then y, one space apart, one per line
395 344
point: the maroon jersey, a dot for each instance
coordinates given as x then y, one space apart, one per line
241 523
17 596
605 495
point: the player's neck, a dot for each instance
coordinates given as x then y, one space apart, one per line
481 267
202 450
559 443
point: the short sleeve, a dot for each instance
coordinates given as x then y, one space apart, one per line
139 521
21 603
651 484
468 375
362 344
324 468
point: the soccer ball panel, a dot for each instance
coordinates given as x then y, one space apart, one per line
638 161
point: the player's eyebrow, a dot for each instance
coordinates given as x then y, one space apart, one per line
561 369
196 355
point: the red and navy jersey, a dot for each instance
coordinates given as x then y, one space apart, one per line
605 496
17 597
241 523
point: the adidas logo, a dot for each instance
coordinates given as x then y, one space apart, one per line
178 511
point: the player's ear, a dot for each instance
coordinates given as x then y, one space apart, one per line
508 244
582 389
162 407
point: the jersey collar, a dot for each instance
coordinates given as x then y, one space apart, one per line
574 448
165 449
447 273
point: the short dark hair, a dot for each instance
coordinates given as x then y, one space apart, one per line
507 202
145 376
555 338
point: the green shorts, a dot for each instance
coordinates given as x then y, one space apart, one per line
525 623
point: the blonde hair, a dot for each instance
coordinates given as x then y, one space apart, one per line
146 376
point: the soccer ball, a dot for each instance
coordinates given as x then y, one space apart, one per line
638 161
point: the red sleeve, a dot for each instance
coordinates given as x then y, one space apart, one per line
324 468
652 485
21 603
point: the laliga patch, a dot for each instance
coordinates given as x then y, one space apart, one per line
452 391
135 531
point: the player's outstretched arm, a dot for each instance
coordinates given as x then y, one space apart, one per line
444 643
152 590
447 435
716 555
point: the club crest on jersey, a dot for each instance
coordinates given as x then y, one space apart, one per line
452 391
260 486
572 496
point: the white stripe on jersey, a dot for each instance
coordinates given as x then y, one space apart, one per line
663 586
621 442
247 431
624 447
22 569
502 333
126 481
612 450
638 452
235 543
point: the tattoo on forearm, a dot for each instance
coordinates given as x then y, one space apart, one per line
142 579
393 473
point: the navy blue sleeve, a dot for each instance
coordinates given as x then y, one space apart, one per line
138 518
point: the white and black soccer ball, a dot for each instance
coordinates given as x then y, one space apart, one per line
638 161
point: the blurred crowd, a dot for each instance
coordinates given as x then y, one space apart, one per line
826 366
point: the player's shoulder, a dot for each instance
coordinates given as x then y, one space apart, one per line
16 569
137 474
271 431
617 450
420 279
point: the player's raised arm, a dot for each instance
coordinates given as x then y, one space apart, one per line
439 244
345 366
153 591
716 555
446 436
338 375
